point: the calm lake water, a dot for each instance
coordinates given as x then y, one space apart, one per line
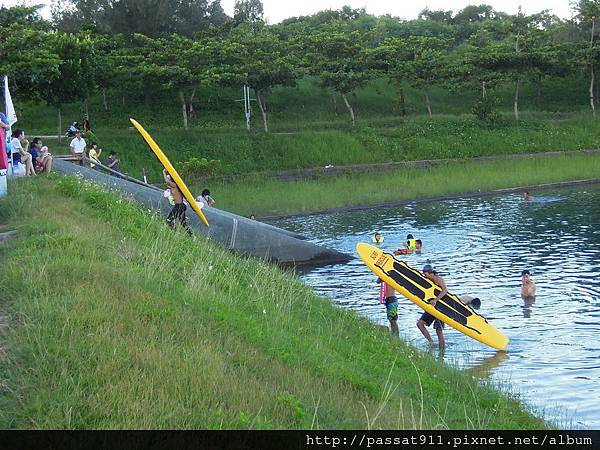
480 247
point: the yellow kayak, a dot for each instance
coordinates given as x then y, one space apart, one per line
418 289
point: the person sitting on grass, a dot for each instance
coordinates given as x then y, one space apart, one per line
42 160
177 214
94 154
18 144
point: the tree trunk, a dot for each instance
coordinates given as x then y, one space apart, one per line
516 102
428 103
592 99
335 106
192 102
483 91
104 102
261 104
59 125
350 110
86 105
596 87
183 109
402 102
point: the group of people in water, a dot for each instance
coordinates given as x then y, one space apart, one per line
388 293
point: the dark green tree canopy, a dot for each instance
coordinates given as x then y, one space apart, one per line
250 11
147 17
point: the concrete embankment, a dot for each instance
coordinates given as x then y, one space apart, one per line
242 235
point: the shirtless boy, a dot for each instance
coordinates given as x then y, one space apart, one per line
177 214
391 306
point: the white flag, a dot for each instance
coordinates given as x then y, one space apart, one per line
11 115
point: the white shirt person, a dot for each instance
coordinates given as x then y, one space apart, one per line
77 147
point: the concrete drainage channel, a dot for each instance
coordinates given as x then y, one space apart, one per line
240 234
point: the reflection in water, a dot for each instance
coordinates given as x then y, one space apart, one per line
483 369
527 304
480 246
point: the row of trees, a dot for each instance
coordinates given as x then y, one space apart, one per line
477 48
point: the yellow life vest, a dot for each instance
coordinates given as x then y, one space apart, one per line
375 241
412 244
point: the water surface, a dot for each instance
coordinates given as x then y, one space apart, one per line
480 246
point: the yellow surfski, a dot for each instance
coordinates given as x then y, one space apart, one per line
167 165
418 289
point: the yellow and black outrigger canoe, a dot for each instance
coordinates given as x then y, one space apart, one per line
418 289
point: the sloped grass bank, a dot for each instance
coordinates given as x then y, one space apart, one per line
272 197
118 322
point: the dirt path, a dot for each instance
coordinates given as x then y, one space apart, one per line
7 235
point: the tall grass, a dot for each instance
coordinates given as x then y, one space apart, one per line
117 322
241 153
271 197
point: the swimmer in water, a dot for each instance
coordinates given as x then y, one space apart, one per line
407 251
377 238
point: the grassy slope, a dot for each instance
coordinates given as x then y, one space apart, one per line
117 322
270 197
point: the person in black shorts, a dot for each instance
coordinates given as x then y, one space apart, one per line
177 214
427 319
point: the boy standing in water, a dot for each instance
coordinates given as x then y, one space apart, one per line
391 305
427 319
178 211
527 285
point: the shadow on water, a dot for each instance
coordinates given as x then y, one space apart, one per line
480 246
527 304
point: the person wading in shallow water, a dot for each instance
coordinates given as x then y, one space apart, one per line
391 305
527 285
427 319
177 214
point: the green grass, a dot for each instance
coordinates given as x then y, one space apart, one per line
117 322
242 153
271 197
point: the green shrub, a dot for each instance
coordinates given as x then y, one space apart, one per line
483 109
198 169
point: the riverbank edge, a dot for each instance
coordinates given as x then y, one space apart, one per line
356 169
393 204
354 342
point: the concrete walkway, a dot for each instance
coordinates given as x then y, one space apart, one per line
240 234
